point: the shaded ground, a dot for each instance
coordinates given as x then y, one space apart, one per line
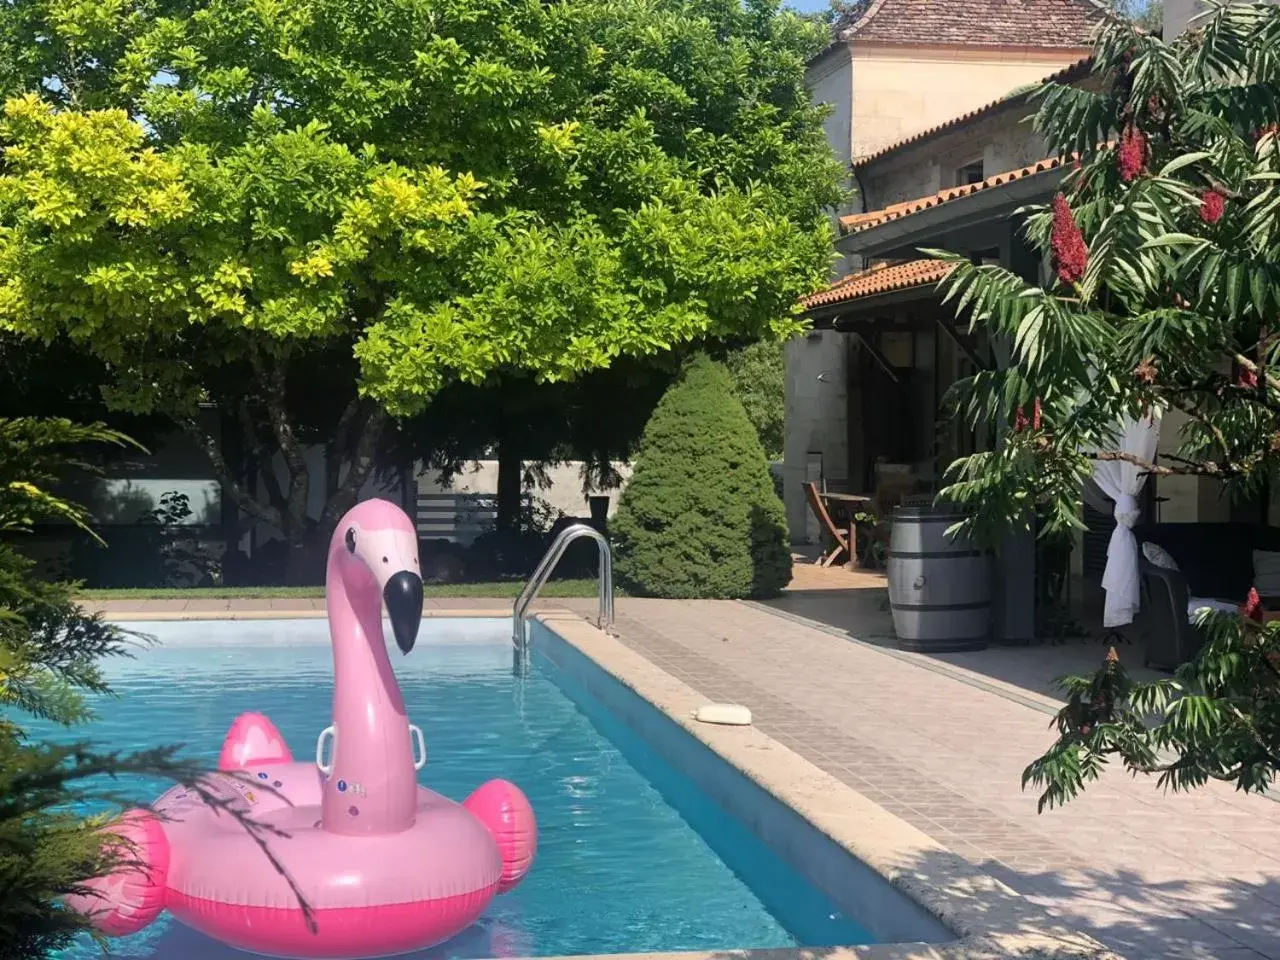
857 605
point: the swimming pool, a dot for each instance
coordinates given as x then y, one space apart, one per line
632 858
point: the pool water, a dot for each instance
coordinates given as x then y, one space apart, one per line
632 858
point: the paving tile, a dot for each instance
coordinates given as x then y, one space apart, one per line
161 606
209 605
1250 920
936 744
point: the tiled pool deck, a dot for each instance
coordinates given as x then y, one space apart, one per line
940 743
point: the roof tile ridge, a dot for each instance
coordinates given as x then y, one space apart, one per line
867 16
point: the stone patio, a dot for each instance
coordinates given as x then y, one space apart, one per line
942 746
941 743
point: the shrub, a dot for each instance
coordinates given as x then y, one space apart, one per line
159 550
759 376
51 651
700 517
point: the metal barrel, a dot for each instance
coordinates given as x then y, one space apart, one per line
939 586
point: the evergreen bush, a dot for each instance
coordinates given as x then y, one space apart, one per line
55 796
700 517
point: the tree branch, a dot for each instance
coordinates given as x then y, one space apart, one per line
262 457
250 505
1187 470
275 393
362 465
1205 422
1185 467
1253 368
337 448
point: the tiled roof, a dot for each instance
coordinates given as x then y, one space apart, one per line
1005 23
1071 74
865 221
883 278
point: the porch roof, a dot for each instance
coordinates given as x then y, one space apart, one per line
858 222
880 279
916 223
889 297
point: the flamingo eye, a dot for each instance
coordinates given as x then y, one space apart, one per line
351 539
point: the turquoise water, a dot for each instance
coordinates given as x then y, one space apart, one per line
631 856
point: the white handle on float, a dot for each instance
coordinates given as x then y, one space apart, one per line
328 733
419 748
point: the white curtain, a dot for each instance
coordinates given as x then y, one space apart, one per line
1122 482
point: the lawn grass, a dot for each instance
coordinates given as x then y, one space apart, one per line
502 589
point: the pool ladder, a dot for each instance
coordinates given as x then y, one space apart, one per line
604 619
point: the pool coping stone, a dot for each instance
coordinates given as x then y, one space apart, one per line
990 919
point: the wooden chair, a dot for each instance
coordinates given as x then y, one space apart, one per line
841 537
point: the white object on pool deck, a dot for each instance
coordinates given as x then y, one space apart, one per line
729 714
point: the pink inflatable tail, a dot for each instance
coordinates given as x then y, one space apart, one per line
131 896
506 812
252 740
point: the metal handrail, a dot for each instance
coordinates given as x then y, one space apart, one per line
519 635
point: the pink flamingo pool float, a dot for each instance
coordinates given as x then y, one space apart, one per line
385 865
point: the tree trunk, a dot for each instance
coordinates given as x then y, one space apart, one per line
304 564
309 541
510 485
353 447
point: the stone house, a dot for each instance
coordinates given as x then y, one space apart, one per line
923 98
866 385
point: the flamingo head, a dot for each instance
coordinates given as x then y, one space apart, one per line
379 535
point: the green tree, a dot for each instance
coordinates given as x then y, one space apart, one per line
223 198
50 651
50 655
699 517
1147 14
840 14
1165 248
527 426
759 373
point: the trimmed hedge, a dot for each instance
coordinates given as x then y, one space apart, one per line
700 517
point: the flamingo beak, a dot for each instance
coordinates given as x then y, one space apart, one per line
403 597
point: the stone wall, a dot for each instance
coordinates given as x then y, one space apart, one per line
830 81
1002 141
898 92
817 436
563 492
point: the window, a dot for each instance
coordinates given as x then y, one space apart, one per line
970 173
